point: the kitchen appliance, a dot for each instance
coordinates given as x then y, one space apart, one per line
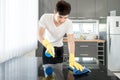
113 43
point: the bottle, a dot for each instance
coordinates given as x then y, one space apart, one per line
81 37
49 71
47 54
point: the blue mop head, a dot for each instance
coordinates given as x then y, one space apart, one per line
78 72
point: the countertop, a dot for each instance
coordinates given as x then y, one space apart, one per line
78 40
30 68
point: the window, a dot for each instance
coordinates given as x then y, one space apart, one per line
76 28
88 27
85 27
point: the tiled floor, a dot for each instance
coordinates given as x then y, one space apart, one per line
117 74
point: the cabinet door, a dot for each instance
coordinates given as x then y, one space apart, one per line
46 6
73 7
114 5
39 50
101 8
86 49
41 9
66 52
86 8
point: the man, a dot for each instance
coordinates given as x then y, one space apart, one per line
52 28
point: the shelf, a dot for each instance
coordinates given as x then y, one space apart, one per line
100 43
100 48
100 55
101 62
100 59
101 52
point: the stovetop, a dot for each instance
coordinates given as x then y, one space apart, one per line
30 68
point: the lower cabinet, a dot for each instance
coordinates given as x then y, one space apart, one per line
66 51
86 49
39 50
82 49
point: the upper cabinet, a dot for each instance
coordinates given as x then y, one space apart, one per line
86 8
46 6
73 8
83 8
93 8
101 8
80 8
114 5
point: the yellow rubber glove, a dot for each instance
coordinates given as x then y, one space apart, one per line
74 64
49 47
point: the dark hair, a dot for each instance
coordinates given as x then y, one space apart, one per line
63 7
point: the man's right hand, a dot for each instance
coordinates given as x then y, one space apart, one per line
49 47
73 64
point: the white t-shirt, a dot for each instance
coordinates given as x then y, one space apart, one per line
52 33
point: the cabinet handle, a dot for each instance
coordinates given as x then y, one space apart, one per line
83 54
65 54
83 45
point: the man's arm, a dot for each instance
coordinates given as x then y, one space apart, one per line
45 42
71 44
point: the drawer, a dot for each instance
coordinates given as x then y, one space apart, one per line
86 43
86 49
66 52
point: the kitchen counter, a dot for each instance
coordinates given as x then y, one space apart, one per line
30 68
78 40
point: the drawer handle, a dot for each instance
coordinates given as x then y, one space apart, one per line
83 54
65 54
83 45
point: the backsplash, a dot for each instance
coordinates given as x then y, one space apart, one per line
85 36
